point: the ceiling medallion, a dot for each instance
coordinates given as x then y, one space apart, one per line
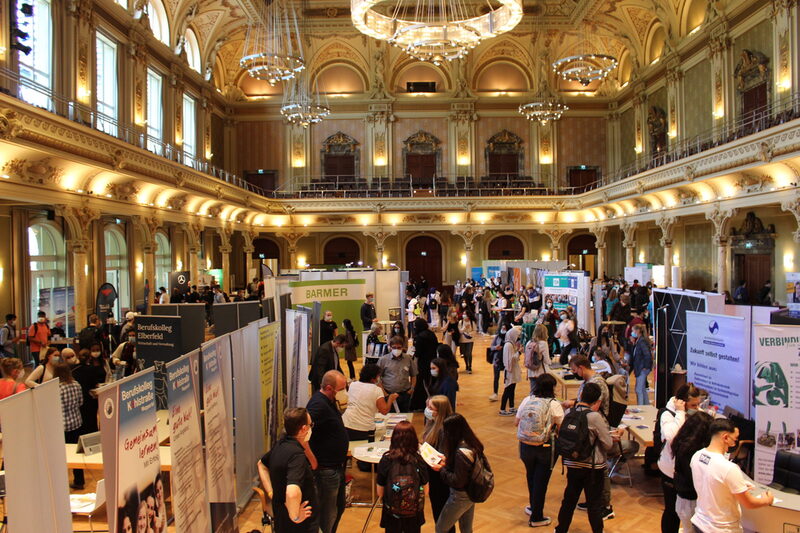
544 110
434 31
270 52
585 68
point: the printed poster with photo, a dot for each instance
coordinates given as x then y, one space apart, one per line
776 395
131 455
793 292
189 497
219 443
269 351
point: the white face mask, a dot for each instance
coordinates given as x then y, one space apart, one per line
308 435
434 372
396 352
42 320
95 354
341 397
428 413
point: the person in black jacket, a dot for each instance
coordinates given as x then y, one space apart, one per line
691 437
425 343
368 314
325 358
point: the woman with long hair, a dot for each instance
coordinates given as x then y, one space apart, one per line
398 331
539 338
12 369
641 362
461 450
44 372
495 350
451 335
692 436
437 409
442 382
350 346
402 482
466 332
445 302
445 352
513 373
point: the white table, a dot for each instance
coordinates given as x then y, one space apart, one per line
371 453
641 421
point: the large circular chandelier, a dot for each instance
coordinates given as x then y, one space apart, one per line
543 110
585 68
270 52
303 106
433 30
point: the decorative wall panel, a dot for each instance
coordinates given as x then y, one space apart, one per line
697 109
698 255
581 141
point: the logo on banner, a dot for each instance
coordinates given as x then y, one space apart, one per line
181 280
713 327
108 407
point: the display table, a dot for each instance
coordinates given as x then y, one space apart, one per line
95 461
566 385
781 516
641 421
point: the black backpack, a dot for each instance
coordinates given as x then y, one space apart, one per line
87 336
404 496
481 480
658 440
574 442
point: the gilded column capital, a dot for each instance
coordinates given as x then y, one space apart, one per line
793 206
667 225
721 219
468 235
380 236
629 232
556 235
599 233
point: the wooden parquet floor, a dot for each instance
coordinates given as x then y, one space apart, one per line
503 512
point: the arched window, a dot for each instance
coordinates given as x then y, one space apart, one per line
117 268
163 262
36 66
159 24
48 266
192 48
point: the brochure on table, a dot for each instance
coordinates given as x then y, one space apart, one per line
131 461
718 358
189 497
776 383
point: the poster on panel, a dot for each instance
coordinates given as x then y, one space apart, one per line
131 453
189 498
569 289
297 358
158 341
269 350
776 395
179 280
718 358
219 441
32 429
793 292
343 297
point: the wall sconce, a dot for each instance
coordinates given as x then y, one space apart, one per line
464 259
672 134
719 111
298 162
380 161
86 269
139 267
301 261
788 261
641 256
208 263
676 259
2 271
638 148
384 260
463 160
546 256
785 84
179 265
83 93
545 159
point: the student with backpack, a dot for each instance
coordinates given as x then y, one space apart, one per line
513 374
538 419
583 441
38 337
466 471
537 355
402 482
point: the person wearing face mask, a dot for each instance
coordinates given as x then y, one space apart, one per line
376 345
721 486
287 474
329 443
327 328
442 383
326 358
124 357
364 399
641 362
44 372
12 369
513 373
90 373
398 374
398 331
437 409
368 313
425 344
9 337
38 336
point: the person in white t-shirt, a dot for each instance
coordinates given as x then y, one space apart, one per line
720 484
364 399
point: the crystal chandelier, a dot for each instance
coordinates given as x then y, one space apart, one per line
302 106
543 110
585 68
270 52
433 30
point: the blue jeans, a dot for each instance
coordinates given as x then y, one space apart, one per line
330 491
459 508
641 387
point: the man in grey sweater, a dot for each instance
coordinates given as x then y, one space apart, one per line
588 474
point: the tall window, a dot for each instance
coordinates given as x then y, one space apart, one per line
192 50
36 67
117 268
106 90
158 21
155 112
163 261
48 267
189 129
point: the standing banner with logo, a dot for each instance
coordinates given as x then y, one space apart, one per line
718 358
189 499
569 289
793 292
219 441
104 304
131 454
158 341
180 281
341 296
35 462
296 358
776 382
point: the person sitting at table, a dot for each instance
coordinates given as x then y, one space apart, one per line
685 401
44 372
442 382
364 399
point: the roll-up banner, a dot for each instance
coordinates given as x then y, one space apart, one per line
189 497
297 358
131 454
219 443
776 382
104 304
158 341
569 289
180 281
35 462
269 352
718 358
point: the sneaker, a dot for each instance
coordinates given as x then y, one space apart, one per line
513 410
528 510
506 413
493 397
469 371
582 506
608 513
539 523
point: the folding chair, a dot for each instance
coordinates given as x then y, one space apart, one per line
88 504
266 517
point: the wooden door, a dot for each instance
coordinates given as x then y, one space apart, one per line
421 168
339 166
502 165
754 100
424 257
265 179
506 247
581 177
755 269
340 251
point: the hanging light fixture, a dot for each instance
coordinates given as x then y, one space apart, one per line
585 67
433 30
302 106
270 51
544 110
